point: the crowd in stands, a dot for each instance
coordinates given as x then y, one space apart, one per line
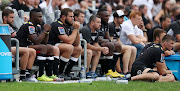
127 37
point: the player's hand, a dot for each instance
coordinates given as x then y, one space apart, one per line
47 28
105 50
76 25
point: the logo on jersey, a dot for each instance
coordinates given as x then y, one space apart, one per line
61 30
31 29
162 58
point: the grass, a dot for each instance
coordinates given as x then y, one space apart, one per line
95 86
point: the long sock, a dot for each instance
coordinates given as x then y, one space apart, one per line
108 64
55 66
113 64
69 66
103 66
28 73
49 65
41 62
22 74
63 62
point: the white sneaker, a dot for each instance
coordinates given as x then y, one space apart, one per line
31 79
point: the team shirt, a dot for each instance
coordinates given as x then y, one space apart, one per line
28 28
102 31
58 28
114 31
88 35
150 56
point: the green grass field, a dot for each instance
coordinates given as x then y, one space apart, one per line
95 86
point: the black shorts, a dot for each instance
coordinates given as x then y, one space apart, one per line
137 69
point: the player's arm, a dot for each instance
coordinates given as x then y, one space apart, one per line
47 27
71 38
77 41
161 69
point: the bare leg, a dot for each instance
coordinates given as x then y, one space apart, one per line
146 76
56 51
132 57
66 50
24 54
126 50
77 51
89 57
118 67
32 55
167 78
95 60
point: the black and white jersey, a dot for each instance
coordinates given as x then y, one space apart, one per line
114 31
25 30
88 35
150 56
58 28
102 31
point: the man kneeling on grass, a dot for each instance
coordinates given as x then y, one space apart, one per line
143 67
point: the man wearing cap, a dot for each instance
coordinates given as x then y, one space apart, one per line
128 34
129 52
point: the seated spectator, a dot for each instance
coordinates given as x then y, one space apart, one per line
79 16
27 54
90 34
31 35
129 52
164 11
128 36
165 22
17 4
65 35
147 21
143 67
68 4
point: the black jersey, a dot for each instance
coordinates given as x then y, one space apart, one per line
148 45
25 30
88 35
114 31
150 56
102 31
58 28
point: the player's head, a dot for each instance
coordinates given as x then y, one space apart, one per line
158 34
104 14
95 22
67 16
36 16
79 16
168 42
119 16
8 16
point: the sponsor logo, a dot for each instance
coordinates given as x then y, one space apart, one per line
5 53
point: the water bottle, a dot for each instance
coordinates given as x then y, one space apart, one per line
59 79
83 73
103 79
122 81
86 81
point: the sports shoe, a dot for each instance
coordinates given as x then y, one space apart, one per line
89 75
112 74
44 78
31 79
120 75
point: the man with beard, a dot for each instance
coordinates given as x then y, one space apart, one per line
27 54
65 35
108 66
31 35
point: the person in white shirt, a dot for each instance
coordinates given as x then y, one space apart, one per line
128 34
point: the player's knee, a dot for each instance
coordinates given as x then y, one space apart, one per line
119 47
43 48
133 49
155 76
69 48
171 78
89 52
32 51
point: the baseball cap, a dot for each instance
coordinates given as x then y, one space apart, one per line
119 13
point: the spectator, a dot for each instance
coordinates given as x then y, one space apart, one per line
90 34
68 4
128 36
104 40
65 35
164 11
79 16
32 35
17 4
4 4
175 12
51 5
27 54
129 52
147 21
143 68
165 22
